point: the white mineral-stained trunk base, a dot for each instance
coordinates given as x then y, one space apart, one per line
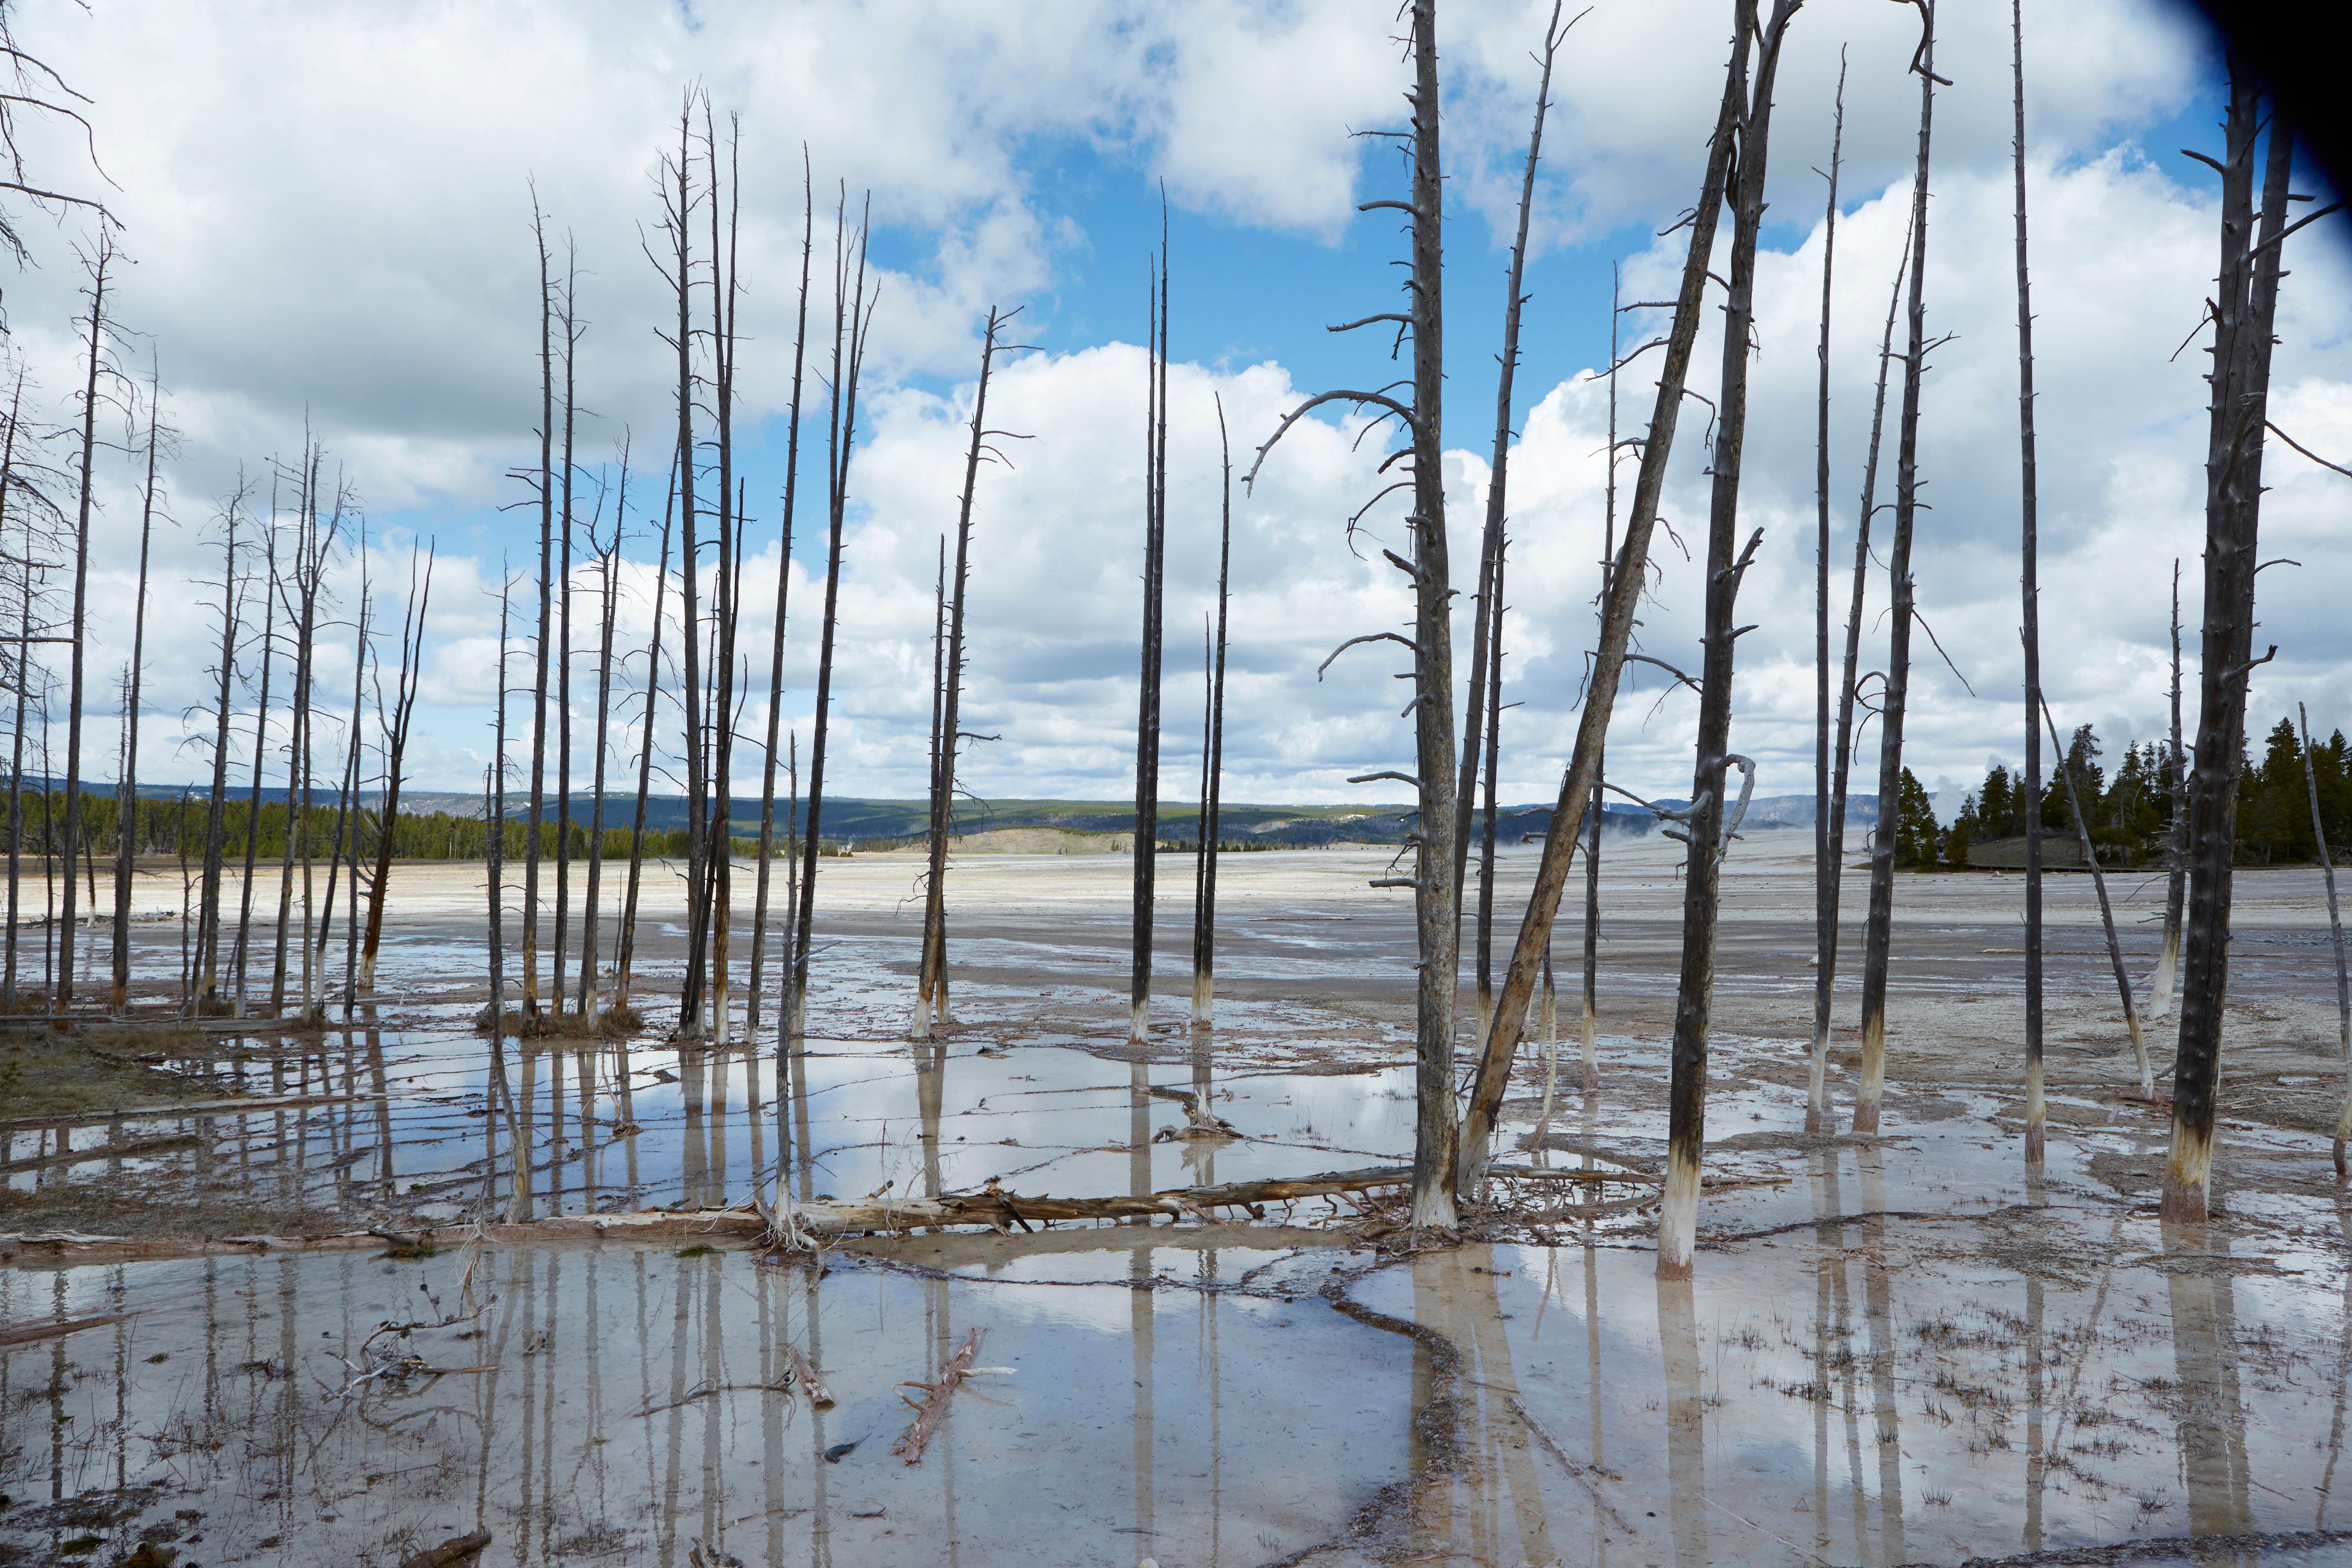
1138 1024
2139 1056
1204 989
2187 1174
1817 1084
2037 1113
1433 1209
1678 1216
1591 1051
2167 970
1873 1075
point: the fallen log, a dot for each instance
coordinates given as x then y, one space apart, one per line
995 1208
449 1552
15 1335
910 1446
811 1384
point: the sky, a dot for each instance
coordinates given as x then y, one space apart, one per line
326 211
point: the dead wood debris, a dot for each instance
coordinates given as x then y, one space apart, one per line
449 1552
910 1446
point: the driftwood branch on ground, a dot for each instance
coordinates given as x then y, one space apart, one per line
910 1446
33 1333
811 1384
461 1548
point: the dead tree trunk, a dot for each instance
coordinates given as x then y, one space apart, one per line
720 901
126 811
24 682
851 317
1204 903
1625 580
608 561
2106 919
1827 864
1486 620
305 525
2036 1111
1437 1136
2175 880
2336 935
546 481
931 996
1493 763
571 332
260 752
1726 563
624 963
208 904
396 749
2245 308
494 816
100 260
1877 934
1146 718
1817 1113
678 222
776 647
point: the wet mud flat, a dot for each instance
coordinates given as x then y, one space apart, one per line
1895 1350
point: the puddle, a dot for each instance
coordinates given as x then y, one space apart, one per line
616 1405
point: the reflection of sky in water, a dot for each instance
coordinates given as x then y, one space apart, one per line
1207 1427
1049 1120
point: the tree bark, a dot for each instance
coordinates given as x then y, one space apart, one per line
850 318
608 602
2107 921
126 812
23 684
1726 564
1827 863
2036 1111
1626 578
2246 306
931 998
776 644
208 904
679 223
260 751
2175 880
395 748
721 860
62 993
1212 763
1817 1115
562 948
1146 718
1878 932
2336 935
624 964
532 841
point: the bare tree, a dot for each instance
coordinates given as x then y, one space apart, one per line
1827 866
570 319
260 749
1877 932
2244 311
1147 717
21 679
2336 935
852 318
622 965
1486 633
1817 1105
126 795
1624 583
2106 919
1212 754
931 989
394 729
2176 880
608 561
100 259
1726 563
208 902
719 901
2036 1111
776 644
1436 901
545 483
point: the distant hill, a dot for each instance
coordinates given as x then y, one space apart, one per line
857 820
